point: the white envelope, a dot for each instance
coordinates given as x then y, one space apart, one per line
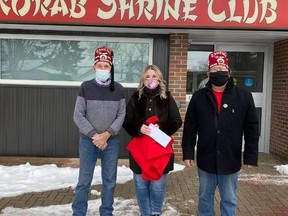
159 136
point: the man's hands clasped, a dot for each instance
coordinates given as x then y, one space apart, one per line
100 140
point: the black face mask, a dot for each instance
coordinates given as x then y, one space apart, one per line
219 78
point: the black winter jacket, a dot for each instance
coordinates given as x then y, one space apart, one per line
219 143
150 104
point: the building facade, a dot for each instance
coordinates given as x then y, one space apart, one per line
47 51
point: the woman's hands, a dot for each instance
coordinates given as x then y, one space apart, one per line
145 129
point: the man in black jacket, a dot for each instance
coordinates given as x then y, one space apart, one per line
217 118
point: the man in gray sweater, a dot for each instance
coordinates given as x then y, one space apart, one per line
99 114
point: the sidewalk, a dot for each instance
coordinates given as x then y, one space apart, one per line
262 190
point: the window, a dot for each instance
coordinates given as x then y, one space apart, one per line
247 69
197 66
69 60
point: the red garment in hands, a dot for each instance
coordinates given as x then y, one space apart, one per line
150 155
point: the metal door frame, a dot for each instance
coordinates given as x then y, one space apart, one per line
263 99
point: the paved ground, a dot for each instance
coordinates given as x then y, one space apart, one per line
262 190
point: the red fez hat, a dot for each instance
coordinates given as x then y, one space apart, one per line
103 54
218 58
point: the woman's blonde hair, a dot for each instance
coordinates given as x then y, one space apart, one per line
162 82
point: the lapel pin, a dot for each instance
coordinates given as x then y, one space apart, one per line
225 105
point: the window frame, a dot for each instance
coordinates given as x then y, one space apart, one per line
148 41
197 46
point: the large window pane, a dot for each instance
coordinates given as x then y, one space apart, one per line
70 60
197 64
247 69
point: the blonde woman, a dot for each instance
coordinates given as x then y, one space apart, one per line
151 99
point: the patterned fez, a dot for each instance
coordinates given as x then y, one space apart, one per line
218 58
103 54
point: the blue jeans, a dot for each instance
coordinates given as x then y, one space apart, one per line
150 194
89 153
227 185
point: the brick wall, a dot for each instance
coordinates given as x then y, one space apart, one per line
177 81
279 109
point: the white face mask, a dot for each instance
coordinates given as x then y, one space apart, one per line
151 83
103 75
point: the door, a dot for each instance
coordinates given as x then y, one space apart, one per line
252 68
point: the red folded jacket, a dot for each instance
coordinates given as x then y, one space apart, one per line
150 155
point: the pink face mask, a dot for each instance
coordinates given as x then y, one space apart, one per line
151 83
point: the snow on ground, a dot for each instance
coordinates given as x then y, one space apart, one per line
20 179
283 169
122 207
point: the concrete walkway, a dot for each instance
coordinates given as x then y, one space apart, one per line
262 190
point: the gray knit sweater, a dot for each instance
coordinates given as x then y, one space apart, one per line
97 109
